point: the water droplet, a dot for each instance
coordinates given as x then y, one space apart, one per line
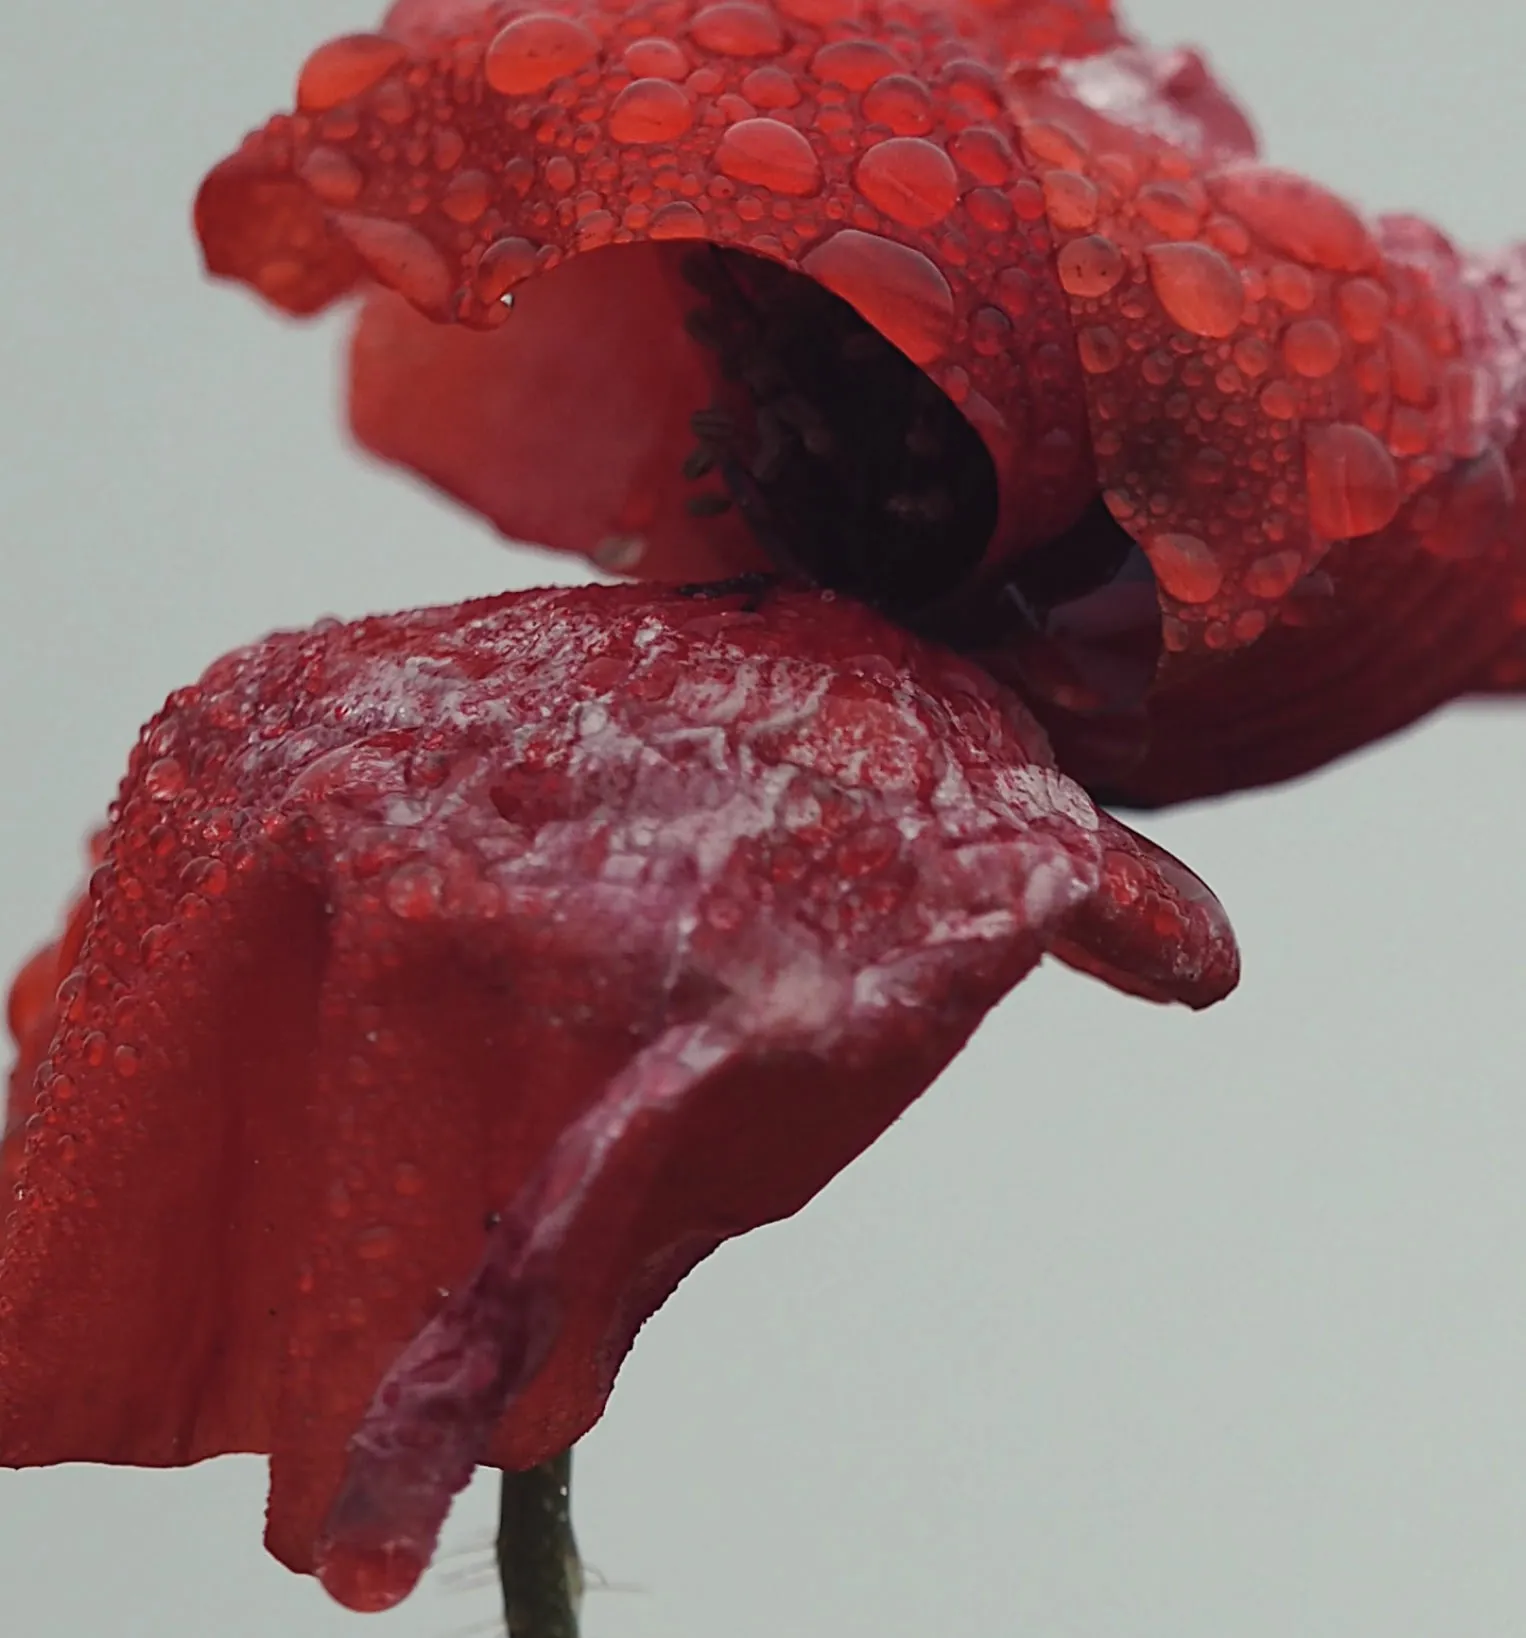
560 173
650 110
990 331
401 258
1273 575
678 220
736 29
1296 216
1172 208
856 64
413 891
1291 285
368 1579
467 196
655 59
1069 200
901 102
910 179
1051 143
125 1061
343 68
1476 512
1412 370
334 177
1280 400
505 263
164 779
984 153
1197 286
1252 356
1312 347
1353 482
1089 267
1185 566
895 288
529 53
770 155
1363 305
771 87
1100 350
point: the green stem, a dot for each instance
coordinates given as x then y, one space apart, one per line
538 1561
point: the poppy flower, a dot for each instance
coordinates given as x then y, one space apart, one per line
462 978
1220 473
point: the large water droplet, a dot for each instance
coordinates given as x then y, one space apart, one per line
401 258
1312 347
1353 482
895 288
369 1579
1089 267
650 110
856 64
1296 216
341 69
1185 566
1197 286
736 29
655 59
912 180
770 155
505 263
901 102
529 53
333 176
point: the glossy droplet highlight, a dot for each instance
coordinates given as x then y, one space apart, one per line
1089 267
648 111
529 53
1185 566
910 179
505 263
1296 216
655 59
1197 286
895 288
401 258
736 29
341 69
1353 482
770 155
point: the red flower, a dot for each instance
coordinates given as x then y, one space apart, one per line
1306 422
630 915
621 920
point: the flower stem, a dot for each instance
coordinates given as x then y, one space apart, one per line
538 1563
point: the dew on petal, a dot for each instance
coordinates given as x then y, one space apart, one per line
679 220
1198 287
1297 217
529 53
770 155
467 196
401 258
342 69
1089 267
771 87
1362 305
655 58
856 64
333 176
1070 200
897 289
1185 566
1171 208
649 111
900 102
734 28
911 180
505 263
1353 482
1099 348
1274 574
1312 347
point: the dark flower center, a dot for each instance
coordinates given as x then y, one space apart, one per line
853 470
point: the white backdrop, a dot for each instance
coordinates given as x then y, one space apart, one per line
1141 1325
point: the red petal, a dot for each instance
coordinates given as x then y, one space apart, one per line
635 914
873 152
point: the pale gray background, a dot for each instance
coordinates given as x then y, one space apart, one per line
1142 1325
